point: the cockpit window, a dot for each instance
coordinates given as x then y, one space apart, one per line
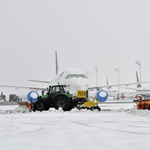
74 76
68 76
80 76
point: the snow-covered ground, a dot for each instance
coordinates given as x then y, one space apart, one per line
123 127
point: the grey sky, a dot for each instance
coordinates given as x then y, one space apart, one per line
86 34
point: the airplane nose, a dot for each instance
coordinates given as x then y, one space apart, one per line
78 85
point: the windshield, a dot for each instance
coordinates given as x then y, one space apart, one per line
80 76
76 76
59 89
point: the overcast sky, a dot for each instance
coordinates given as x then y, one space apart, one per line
85 33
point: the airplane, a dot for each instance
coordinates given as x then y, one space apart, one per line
139 90
78 80
114 93
75 78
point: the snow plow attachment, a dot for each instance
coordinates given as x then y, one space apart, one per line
30 106
91 105
142 104
30 99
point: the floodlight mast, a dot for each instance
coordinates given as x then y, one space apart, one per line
139 63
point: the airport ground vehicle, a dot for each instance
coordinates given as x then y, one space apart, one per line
58 96
14 98
3 97
142 104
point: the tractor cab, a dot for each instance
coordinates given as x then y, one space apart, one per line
58 90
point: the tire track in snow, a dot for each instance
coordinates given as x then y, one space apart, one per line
100 125
20 132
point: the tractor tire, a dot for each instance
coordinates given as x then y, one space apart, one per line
39 105
62 102
69 106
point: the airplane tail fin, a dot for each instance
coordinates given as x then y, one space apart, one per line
107 83
138 85
56 62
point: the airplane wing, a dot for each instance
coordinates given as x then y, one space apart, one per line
23 87
39 81
128 88
125 84
144 94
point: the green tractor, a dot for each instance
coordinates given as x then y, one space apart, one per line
57 96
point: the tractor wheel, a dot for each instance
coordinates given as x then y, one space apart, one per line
62 102
69 106
40 106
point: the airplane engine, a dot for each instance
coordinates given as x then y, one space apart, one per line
102 95
32 96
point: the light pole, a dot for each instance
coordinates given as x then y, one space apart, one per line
96 69
139 63
118 79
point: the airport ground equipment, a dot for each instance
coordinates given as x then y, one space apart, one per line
90 104
3 97
29 105
14 98
58 96
142 104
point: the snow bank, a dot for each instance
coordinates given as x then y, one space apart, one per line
25 109
119 110
19 109
139 112
133 111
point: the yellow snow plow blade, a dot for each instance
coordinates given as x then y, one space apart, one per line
90 103
30 106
